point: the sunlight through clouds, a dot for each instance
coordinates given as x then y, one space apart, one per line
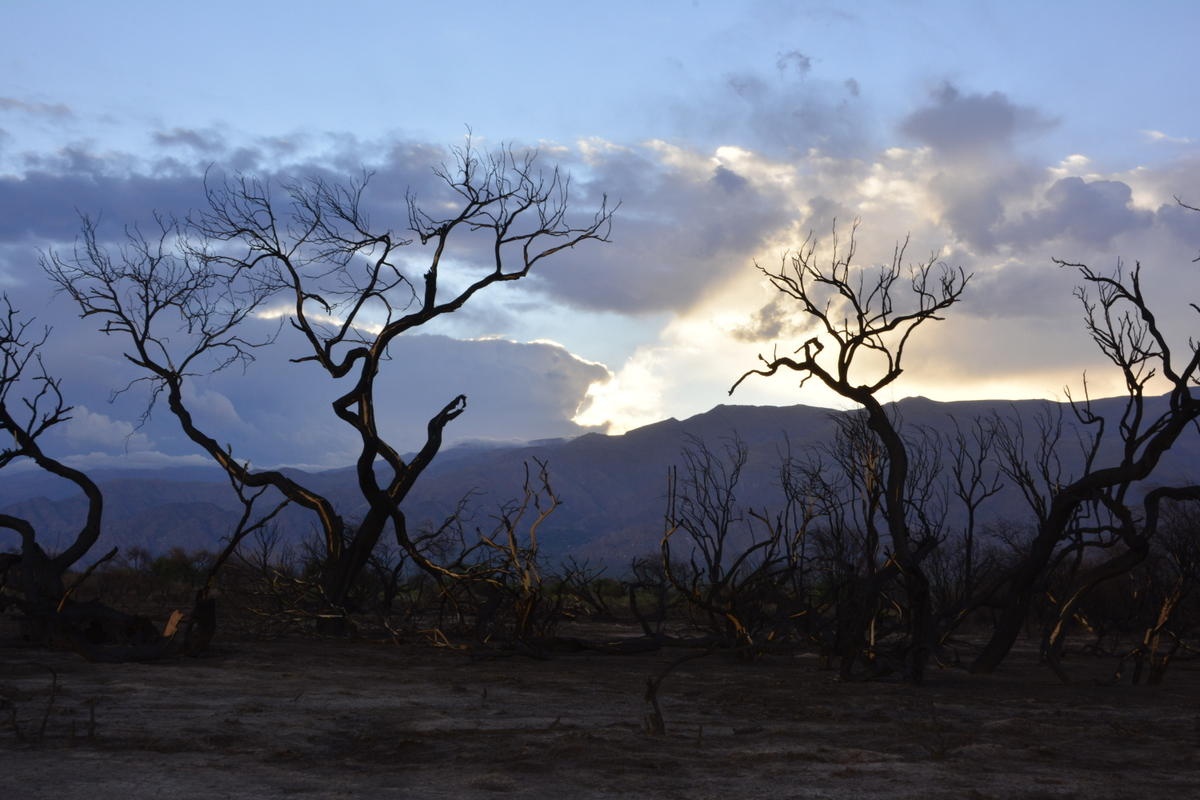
984 350
726 144
626 400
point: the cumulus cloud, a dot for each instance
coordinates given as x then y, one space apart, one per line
974 204
975 175
957 124
786 157
687 221
1087 211
1182 224
213 409
279 412
89 431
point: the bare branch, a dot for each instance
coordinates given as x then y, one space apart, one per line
181 301
857 310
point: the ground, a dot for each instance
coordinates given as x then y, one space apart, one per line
358 718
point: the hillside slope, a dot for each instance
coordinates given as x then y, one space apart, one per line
612 488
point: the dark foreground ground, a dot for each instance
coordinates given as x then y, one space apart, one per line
322 718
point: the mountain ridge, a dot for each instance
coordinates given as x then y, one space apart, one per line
612 488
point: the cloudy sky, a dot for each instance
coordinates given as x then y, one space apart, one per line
994 135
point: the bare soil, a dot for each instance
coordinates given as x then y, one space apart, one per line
334 718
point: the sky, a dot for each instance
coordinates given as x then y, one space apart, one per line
990 136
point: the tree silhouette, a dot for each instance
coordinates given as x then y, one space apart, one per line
181 301
865 324
1119 319
32 404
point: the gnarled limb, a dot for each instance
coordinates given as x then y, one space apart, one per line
31 404
1120 321
181 301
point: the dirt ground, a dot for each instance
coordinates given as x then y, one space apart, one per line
329 718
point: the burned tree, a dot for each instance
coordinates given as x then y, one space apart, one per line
974 479
1167 584
31 405
739 561
861 314
181 301
1120 321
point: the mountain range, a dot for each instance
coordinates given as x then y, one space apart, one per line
612 488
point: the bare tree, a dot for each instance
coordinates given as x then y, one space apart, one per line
740 561
200 625
181 301
861 314
1168 584
522 606
1122 324
854 609
975 479
31 405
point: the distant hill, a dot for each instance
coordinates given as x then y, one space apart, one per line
612 488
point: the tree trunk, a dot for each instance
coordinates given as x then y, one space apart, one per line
920 625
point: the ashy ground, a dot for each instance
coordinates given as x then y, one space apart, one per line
339 719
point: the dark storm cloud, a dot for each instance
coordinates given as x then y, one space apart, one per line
824 212
45 208
957 123
44 202
976 208
709 221
515 391
669 215
41 205
678 232
410 168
